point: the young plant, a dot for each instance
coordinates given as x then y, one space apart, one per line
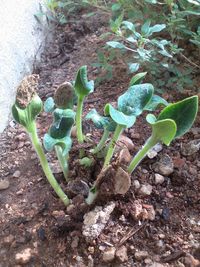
173 121
101 122
25 110
59 133
83 87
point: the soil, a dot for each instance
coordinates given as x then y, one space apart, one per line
34 222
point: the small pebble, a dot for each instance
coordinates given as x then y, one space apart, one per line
4 184
159 179
146 190
141 255
121 254
109 254
17 174
24 256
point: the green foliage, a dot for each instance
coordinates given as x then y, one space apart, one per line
27 116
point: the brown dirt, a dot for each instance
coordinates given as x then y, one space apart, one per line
31 215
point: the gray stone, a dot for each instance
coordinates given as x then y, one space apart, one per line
141 255
109 254
78 187
156 264
164 166
159 179
121 254
24 256
136 184
96 220
154 151
146 190
55 167
4 184
190 148
16 174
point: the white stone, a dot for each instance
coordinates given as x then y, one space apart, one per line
146 190
159 179
20 42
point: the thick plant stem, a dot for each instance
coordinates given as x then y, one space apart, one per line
79 120
63 161
119 129
92 195
101 142
45 166
151 142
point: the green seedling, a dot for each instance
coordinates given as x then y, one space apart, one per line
174 121
86 162
59 133
83 87
25 110
101 122
58 136
130 105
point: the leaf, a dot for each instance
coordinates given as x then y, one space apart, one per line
116 7
82 86
27 115
65 143
49 105
156 101
137 79
129 25
114 44
119 117
156 28
146 28
101 122
183 113
133 67
134 100
162 130
62 124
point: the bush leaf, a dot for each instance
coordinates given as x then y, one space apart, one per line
183 113
156 101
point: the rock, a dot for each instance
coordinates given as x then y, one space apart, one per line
77 187
136 184
159 179
122 182
75 241
151 214
16 174
141 255
126 142
121 254
190 148
164 166
146 190
96 220
156 264
137 210
124 157
4 184
190 261
109 254
24 256
55 167
154 151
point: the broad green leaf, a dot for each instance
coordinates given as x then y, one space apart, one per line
162 130
119 117
114 44
129 25
145 28
101 122
134 100
49 105
183 113
156 28
116 7
82 86
156 101
133 67
62 124
27 115
137 79
65 143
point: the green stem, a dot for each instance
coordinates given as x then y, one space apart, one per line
79 120
101 142
92 195
63 161
45 166
151 142
119 129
